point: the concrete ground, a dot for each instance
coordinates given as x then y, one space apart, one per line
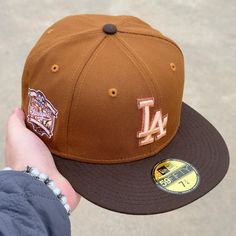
205 30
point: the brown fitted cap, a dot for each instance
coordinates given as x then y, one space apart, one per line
105 95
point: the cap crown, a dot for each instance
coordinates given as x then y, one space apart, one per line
113 97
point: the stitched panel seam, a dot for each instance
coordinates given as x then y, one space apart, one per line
144 67
143 64
73 93
154 36
42 53
56 43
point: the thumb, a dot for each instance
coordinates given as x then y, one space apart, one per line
15 125
20 115
17 118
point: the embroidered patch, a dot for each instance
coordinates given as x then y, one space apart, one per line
157 126
41 113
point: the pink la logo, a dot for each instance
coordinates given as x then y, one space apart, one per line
41 113
155 129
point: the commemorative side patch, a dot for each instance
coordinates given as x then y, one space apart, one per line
41 113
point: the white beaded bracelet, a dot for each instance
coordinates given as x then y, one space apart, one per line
34 172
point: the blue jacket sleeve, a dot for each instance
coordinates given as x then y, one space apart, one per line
28 207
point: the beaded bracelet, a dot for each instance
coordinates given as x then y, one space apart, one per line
34 172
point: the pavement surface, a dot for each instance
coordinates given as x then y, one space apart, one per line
205 31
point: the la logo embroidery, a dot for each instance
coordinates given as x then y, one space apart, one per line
157 128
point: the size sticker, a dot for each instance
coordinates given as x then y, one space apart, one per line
175 176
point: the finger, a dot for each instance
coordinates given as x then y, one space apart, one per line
15 128
15 123
17 118
20 115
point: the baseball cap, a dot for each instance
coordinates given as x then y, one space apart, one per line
105 94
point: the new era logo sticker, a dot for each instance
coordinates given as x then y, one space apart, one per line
41 113
152 128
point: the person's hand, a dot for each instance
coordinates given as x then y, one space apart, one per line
23 147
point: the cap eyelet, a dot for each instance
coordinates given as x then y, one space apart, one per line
54 68
113 92
173 66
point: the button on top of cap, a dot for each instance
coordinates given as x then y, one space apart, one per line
109 29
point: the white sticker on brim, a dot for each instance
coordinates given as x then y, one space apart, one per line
175 176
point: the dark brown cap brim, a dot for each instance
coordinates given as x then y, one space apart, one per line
129 187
